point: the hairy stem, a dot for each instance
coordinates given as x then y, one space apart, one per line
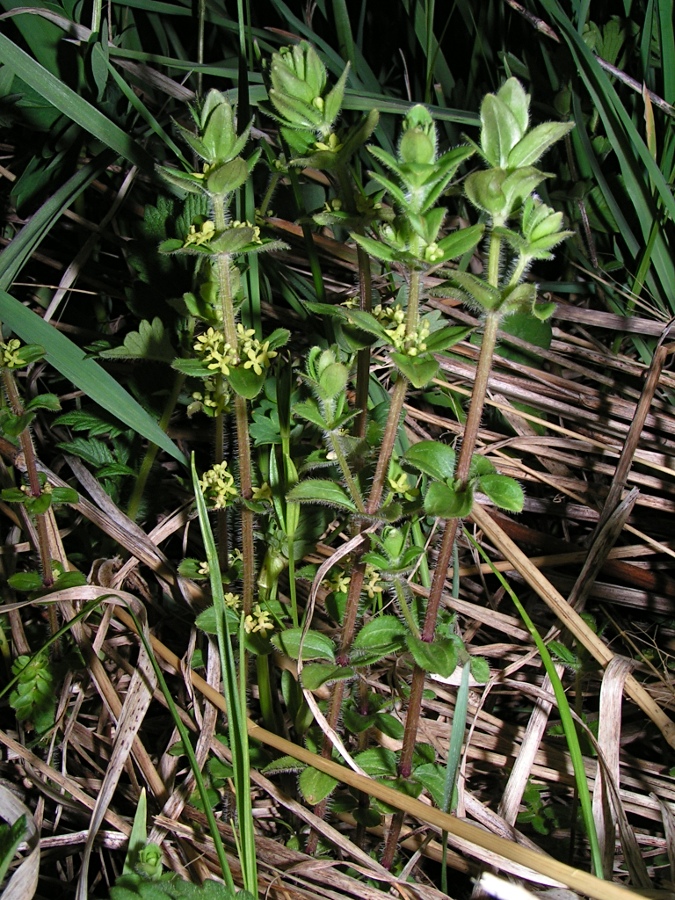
226 296
444 556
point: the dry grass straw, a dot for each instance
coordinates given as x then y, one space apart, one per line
576 449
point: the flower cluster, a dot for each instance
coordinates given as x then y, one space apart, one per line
256 354
399 482
256 239
372 584
218 486
218 354
10 356
393 320
259 621
214 400
338 583
200 234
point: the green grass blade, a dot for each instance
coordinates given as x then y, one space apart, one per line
636 163
566 719
84 373
234 689
19 250
72 105
142 110
343 30
189 753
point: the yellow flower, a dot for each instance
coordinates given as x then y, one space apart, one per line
10 357
259 621
218 486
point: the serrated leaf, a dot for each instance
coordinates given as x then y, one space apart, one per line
432 458
432 776
480 669
378 762
150 342
445 503
94 452
93 424
44 401
315 786
314 675
318 490
314 646
419 370
438 657
25 581
283 764
114 470
505 492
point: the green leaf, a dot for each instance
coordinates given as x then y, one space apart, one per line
314 675
504 491
432 776
380 637
309 410
378 762
245 382
315 786
480 465
480 669
433 458
419 370
444 502
536 142
150 342
438 657
376 248
64 495
315 645
444 338
318 490
10 838
44 401
460 242
284 765
25 581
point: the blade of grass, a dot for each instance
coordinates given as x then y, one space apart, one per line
234 687
189 753
84 373
631 151
566 719
75 107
